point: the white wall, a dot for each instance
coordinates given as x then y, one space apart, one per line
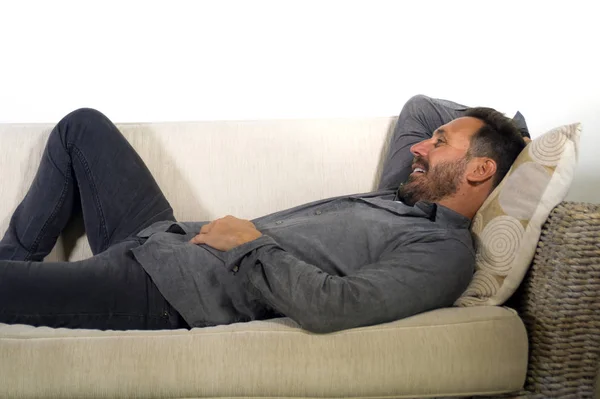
159 61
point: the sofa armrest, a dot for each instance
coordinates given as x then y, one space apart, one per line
559 302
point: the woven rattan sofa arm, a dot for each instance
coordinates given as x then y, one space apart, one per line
559 302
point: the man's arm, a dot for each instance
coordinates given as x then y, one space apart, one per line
420 276
419 118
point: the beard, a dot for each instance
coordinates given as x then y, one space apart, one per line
435 184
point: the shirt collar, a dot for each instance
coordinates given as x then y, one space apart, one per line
433 211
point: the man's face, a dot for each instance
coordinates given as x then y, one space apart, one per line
440 162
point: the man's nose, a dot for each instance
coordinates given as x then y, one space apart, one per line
421 148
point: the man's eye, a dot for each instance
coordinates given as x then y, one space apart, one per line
439 142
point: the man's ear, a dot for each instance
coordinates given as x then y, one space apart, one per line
480 170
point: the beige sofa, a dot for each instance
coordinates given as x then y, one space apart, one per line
548 347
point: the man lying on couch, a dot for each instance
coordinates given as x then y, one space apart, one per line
332 264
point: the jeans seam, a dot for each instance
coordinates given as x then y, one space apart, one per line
94 190
61 200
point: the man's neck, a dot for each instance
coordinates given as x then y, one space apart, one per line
457 207
466 204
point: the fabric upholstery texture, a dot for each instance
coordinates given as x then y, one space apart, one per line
447 351
508 225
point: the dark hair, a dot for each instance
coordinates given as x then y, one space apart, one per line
499 139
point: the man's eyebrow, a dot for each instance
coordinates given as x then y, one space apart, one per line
440 132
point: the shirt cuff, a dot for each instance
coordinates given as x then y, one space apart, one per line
235 255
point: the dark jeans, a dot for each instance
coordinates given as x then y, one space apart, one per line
88 167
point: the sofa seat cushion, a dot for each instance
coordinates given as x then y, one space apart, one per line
443 352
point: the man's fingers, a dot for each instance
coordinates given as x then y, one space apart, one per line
206 228
199 239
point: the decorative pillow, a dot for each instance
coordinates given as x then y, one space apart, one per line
507 226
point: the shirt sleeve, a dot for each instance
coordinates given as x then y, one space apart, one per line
414 278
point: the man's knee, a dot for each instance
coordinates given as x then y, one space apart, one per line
82 123
84 115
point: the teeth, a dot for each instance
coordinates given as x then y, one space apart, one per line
419 170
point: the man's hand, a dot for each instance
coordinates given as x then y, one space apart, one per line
226 233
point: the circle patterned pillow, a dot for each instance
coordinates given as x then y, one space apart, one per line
507 227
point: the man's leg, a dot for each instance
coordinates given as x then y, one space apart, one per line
419 118
87 162
110 291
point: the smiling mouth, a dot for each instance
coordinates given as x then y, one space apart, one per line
418 171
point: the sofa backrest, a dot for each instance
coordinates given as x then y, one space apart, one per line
210 169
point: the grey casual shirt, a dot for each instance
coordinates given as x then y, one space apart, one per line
329 265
